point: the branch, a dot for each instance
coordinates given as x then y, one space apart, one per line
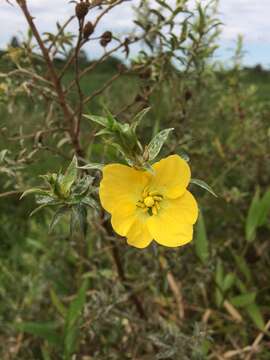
77 79
53 75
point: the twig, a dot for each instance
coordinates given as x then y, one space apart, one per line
38 132
77 79
258 339
107 10
10 193
53 75
92 66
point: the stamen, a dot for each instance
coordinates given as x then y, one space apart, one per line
153 193
149 201
157 205
154 210
141 204
145 192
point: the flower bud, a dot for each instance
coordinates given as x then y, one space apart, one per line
81 10
88 30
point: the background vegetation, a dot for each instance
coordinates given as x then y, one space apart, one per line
83 293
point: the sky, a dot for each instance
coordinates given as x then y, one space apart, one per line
249 18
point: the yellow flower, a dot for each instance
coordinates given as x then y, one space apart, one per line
149 206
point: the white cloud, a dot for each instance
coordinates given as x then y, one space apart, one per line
247 17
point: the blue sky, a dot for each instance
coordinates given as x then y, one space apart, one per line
249 18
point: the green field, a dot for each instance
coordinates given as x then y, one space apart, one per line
194 305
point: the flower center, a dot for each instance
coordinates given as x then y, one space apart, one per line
150 201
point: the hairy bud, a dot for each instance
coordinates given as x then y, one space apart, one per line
88 30
81 10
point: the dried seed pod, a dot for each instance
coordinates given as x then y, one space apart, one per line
106 38
88 30
81 10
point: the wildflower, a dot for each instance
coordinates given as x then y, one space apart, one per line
149 206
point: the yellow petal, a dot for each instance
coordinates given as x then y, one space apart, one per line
183 237
122 218
173 225
171 176
121 186
139 235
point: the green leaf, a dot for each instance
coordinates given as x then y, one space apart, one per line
77 305
243 300
45 354
157 142
78 221
57 216
3 154
243 266
252 220
57 303
92 166
255 314
47 331
219 283
71 333
37 191
38 209
101 120
201 240
184 156
203 185
69 177
228 281
165 5
138 118
264 208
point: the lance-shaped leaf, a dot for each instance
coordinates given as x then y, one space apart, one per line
69 177
138 118
203 185
157 142
264 208
46 330
101 120
253 217
201 240
243 300
72 331
57 216
92 166
36 191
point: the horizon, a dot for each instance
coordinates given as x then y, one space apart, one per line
246 18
